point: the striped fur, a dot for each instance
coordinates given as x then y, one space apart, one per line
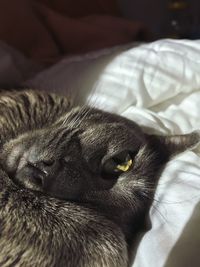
93 228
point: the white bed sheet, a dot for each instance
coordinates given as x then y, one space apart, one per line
157 85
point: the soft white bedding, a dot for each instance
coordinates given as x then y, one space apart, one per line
157 85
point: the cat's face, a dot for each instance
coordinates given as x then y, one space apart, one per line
80 152
90 155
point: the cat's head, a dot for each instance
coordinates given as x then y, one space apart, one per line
91 155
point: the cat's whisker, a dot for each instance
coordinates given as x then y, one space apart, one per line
86 108
155 209
72 122
76 118
146 195
83 112
79 117
91 102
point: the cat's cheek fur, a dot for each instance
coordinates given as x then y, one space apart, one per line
70 234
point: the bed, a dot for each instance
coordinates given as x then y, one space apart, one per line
158 86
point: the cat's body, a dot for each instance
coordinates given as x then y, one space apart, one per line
74 183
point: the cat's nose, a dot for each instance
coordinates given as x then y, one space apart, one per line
45 166
34 174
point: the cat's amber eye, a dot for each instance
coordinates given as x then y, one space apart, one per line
117 165
124 167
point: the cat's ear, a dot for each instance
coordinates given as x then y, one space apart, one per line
175 144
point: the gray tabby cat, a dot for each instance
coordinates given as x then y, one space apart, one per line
75 183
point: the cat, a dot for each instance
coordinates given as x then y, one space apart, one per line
75 182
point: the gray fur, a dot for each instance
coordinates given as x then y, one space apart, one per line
72 216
